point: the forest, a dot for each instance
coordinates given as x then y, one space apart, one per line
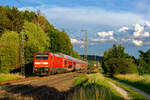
31 32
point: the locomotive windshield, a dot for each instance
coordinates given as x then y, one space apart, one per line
41 57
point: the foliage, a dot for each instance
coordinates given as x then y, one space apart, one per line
9 51
39 36
28 15
75 54
60 42
144 62
36 40
96 88
10 19
116 61
119 66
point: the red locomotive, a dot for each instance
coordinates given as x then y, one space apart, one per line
46 63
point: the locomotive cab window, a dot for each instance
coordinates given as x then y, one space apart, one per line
44 57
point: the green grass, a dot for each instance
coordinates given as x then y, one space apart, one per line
140 82
94 87
135 95
6 77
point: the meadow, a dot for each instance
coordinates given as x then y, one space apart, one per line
6 77
141 82
93 87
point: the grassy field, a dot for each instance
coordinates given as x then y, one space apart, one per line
5 77
135 95
94 87
140 82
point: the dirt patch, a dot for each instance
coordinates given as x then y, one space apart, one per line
50 88
121 91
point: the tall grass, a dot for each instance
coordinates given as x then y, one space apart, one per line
95 88
5 77
140 82
132 93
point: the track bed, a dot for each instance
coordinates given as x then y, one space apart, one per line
53 87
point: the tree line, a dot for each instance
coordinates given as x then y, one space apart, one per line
39 36
117 61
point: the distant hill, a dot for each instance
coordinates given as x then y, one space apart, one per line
93 57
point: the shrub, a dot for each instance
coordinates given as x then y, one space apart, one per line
119 66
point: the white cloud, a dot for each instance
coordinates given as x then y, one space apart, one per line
139 31
138 28
74 41
146 34
137 42
105 34
141 34
104 37
123 29
147 23
136 34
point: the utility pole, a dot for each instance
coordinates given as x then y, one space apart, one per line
85 45
22 54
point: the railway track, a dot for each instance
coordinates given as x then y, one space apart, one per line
35 88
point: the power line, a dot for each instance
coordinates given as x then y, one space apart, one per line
85 45
20 2
85 42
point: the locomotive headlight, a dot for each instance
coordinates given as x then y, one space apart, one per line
37 62
45 63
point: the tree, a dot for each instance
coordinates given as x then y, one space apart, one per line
75 54
10 19
36 40
143 62
9 51
42 21
60 42
28 15
115 52
117 61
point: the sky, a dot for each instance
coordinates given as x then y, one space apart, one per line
108 22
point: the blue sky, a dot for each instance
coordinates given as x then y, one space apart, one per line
108 21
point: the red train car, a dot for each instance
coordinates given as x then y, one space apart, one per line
46 63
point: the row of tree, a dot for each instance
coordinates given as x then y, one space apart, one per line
117 61
39 36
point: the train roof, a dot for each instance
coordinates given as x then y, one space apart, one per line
60 55
72 58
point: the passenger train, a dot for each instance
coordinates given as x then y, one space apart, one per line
46 63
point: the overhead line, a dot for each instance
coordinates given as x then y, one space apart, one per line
20 3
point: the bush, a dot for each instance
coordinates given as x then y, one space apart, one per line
119 66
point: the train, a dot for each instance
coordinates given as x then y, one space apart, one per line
47 63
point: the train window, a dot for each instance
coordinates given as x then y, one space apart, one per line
65 61
70 66
41 57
